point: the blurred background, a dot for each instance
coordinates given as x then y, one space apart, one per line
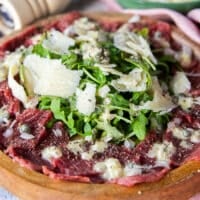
15 14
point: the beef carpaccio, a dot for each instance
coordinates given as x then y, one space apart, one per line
99 101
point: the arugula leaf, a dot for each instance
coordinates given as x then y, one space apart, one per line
55 107
118 100
158 122
138 97
139 126
43 52
111 132
70 60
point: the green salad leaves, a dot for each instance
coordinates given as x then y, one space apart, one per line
113 117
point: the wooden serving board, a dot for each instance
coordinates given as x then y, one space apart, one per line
181 183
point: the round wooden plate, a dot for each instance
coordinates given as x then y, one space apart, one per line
181 183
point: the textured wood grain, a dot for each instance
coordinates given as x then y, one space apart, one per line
181 183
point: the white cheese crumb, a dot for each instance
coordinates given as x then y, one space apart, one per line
26 136
51 152
110 168
180 133
195 136
186 145
50 77
58 42
75 146
132 169
129 144
185 102
86 100
99 146
180 83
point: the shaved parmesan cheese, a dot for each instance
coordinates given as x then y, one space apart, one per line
103 91
110 168
180 83
135 81
17 89
12 63
160 103
162 152
51 152
50 77
13 59
108 69
3 73
85 99
58 42
132 43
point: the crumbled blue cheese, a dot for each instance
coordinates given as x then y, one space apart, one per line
50 77
162 151
132 169
51 152
186 102
180 133
135 81
132 43
98 146
76 146
58 42
86 100
180 83
195 136
186 145
109 168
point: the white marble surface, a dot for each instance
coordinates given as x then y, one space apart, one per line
90 5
